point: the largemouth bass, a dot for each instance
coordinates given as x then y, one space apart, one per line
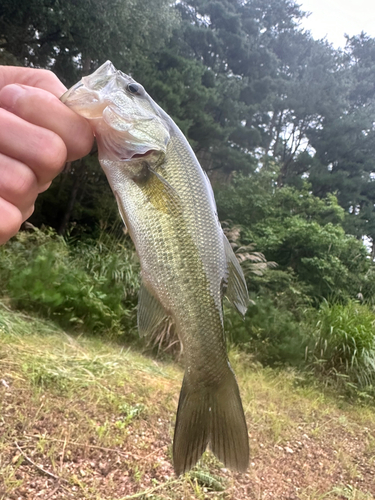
187 263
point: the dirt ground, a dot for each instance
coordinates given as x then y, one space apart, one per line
108 436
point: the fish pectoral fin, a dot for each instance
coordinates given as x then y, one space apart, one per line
150 312
236 290
214 416
161 194
121 209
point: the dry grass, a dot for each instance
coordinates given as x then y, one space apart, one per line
84 419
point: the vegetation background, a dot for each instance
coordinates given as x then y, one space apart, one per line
284 126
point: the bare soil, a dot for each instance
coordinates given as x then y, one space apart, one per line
81 419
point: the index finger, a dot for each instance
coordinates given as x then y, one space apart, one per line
41 108
39 78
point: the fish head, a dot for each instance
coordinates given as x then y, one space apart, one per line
126 121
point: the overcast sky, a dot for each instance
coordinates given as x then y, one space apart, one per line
334 18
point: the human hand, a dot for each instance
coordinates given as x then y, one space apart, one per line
38 134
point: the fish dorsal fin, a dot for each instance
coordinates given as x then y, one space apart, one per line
236 290
150 312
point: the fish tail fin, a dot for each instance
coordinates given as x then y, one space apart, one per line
212 416
192 430
229 439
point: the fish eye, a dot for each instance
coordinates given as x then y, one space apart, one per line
133 88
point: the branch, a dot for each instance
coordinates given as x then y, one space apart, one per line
85 445
38 466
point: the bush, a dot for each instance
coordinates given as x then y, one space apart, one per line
299 232
343 343
89 285
272 334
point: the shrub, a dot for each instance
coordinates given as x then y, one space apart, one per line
343 343
89 285
272 334
300 232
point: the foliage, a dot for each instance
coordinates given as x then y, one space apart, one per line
303 234
70 37
282 123
299 232
90 286
256 197
324 258
343 342
276 324
271 334
344 142
252 262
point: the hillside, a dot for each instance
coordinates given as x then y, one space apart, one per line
81 418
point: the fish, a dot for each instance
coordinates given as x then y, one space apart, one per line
187 264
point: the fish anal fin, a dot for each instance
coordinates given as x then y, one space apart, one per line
211 416
150 312
236 290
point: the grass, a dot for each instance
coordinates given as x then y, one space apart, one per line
83 418
78 286
345 343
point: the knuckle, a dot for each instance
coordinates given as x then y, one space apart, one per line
28 212
52 153
80 138
25 184
47 75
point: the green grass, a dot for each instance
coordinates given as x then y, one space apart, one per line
78 286
85 418
344 343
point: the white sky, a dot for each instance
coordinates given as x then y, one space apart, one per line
333 18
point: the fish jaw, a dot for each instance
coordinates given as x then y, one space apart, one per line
86 96
125 125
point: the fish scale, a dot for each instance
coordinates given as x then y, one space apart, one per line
187 264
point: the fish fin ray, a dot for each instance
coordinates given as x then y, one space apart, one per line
213 416
150 312
192 428
229 437
236 290
161 194
121 209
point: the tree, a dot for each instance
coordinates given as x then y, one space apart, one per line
345 142
72 38
302 233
